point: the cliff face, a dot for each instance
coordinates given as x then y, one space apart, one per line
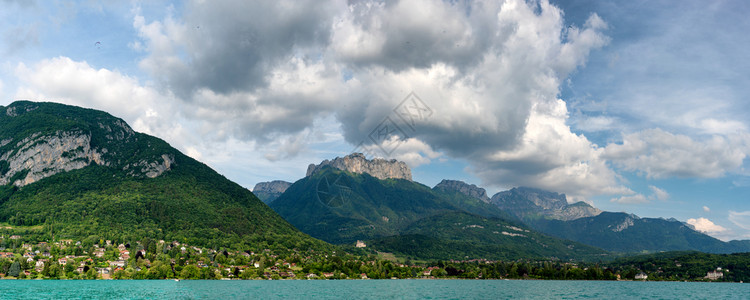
29 153
357 163
44 156
269 191
463 188
527 203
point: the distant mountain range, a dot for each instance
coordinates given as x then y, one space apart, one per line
341 202
550 213
406 217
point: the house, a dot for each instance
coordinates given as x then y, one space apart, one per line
118 263
39 265
99 252
360 244
716 274
311 276
62 261
257 265
327 275
363 276
641 276
15 237
121 247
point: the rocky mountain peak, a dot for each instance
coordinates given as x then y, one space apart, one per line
358 163
470 190
526 202
270 190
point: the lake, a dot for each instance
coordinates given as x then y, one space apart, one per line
368 289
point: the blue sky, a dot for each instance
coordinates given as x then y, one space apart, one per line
635 106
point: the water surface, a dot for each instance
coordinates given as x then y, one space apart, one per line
367 289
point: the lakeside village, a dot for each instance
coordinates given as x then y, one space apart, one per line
150 259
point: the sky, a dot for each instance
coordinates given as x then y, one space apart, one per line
634 106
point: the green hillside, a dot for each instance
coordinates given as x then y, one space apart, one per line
458 235
410 219
341 207
627 233
118 196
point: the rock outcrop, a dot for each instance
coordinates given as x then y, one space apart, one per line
269 191
527 203
358 163
463 188
43 156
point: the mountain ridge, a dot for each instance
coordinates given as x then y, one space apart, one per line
138 187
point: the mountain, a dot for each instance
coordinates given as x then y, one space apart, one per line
461 235
358 163
623 232
470 190
529 203
70 172
342 207
269 191
550 213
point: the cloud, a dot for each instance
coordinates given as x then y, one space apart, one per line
660 154
658 193
231 46
706 209
632 199
705 225
63 80
741 219
490 73
491 79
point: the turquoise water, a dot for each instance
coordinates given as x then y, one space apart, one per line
368 289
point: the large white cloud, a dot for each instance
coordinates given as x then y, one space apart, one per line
490 73
491 79
273 74
705 225
660 154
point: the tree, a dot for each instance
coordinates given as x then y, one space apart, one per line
190 272
15 269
